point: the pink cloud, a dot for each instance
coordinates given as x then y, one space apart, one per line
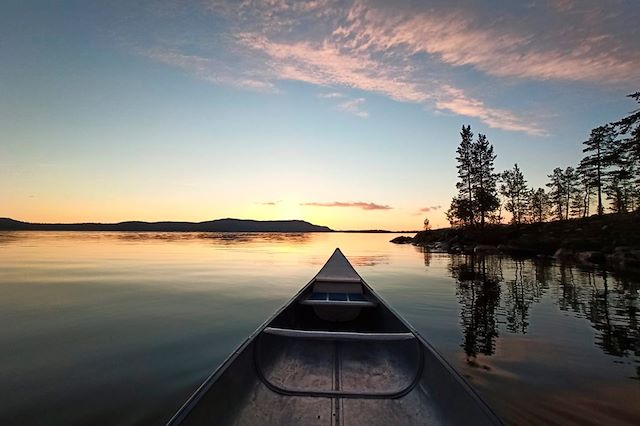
454 100
359 204
326 65
459 39
399 50
428 209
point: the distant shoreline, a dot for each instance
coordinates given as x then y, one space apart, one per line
218 225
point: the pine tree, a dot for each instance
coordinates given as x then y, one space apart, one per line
581 200
628 128
556 192
570 188
461 211
465 169
618 181
484 180
538 205
514 189
595 162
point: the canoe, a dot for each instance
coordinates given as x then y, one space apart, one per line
336 354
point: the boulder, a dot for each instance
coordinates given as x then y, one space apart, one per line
455 248
622 249
402 240
590 257
442 246
485 249
624 257
563 254
507 248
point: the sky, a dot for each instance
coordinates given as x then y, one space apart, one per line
344 114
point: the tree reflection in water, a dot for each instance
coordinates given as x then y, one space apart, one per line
478 292
610 303
496 293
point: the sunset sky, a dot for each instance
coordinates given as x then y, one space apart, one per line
345 114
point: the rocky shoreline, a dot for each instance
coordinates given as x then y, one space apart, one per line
610 240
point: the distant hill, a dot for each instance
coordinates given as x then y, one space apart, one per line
219 225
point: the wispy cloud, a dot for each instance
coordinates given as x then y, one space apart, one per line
359 204
353 106
212 70
404 51
347 104
429 209
270 203
324 63
455 100
501 48
331 95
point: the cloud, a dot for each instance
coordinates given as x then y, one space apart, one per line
331 95
407 51
428 209
359 204
270 203
212 70
348 105
504 48
454 100
562 5
326 64
353 106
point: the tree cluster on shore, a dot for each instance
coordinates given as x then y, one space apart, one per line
607 178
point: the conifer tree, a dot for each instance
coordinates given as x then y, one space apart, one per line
465 170
595 162
581 200
570 188
538 205
628 129
556 192
514 188
484 179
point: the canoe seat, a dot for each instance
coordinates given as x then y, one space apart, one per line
337 335
337 299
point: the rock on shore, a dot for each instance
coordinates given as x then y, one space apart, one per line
402 240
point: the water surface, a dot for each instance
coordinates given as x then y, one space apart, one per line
120 328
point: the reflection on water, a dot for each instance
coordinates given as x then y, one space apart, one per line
120 328
492 293
479 296
292 238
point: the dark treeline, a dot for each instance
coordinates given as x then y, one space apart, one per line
607 179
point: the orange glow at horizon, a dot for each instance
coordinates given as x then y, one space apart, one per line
337 218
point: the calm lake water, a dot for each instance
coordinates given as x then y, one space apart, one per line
120 328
